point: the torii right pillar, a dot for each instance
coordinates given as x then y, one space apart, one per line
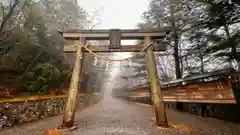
156 92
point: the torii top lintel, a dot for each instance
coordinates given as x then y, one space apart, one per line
106 34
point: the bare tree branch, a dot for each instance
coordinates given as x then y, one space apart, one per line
8 15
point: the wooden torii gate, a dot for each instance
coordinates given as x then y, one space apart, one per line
115 36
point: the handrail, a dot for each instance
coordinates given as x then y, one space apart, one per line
218 73
202 76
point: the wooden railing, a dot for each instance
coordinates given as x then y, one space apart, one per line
36 98
213 87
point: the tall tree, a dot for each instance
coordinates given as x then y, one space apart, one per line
171 13
176 40
221 21
30 51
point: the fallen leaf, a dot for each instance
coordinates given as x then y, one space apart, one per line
53 132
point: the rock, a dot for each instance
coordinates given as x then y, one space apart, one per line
3 121
9 123
14 111
23 112
1 107
7 105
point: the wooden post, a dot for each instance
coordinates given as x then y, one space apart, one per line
69 114
156 93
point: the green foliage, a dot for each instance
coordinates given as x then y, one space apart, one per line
222 44
221 16
30 56
219 13
43 77
207 32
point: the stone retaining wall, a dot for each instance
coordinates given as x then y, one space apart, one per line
14 113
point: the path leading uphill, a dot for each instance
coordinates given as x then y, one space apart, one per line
119 117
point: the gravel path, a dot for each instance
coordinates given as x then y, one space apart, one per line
119 117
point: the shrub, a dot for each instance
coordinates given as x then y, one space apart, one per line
41 78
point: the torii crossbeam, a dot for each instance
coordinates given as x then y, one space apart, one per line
115 36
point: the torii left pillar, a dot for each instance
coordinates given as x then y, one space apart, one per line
69 114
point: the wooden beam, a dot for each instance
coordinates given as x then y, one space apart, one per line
127 34
105 48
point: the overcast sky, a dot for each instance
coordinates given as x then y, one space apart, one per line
117 13
121 14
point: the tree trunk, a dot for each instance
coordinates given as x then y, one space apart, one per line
202 63
233 49
8 16
179 105
176 42
181 60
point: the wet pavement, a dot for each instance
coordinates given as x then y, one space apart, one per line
120 117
